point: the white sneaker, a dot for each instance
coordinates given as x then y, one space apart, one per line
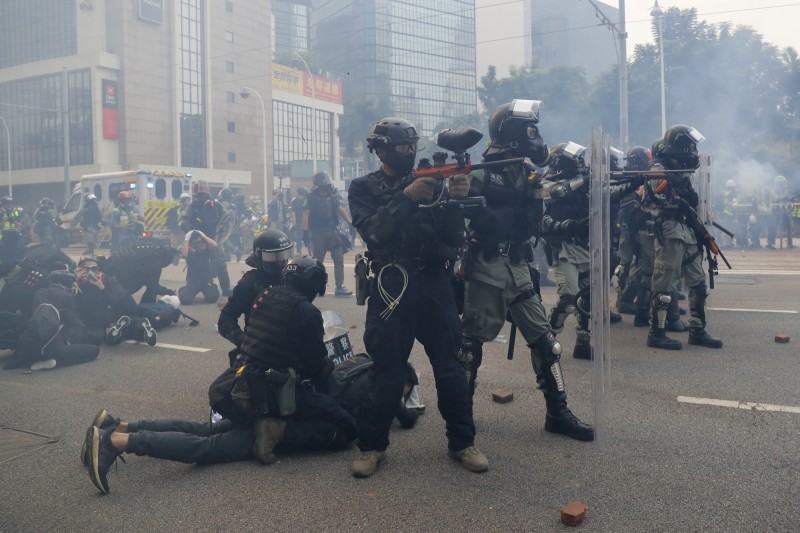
45 364
413 401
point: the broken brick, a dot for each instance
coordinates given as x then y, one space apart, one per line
502 396
573 513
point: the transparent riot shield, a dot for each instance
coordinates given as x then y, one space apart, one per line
600 244
701 180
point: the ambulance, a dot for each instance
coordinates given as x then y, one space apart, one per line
156 192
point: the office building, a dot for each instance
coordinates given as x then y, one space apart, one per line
411 58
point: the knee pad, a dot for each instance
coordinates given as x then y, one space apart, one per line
547 348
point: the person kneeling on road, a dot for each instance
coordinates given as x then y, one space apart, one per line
198 251
271 397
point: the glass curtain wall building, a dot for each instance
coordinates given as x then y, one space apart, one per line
291 27
414 58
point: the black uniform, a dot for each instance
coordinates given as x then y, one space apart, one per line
241 301
422 243
285 332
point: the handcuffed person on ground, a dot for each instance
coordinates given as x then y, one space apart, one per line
272 398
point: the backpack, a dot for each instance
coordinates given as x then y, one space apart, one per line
346 373
159 314
45 325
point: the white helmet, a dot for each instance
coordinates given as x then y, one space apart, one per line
730 184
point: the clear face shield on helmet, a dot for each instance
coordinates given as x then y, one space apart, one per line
276 256
528 109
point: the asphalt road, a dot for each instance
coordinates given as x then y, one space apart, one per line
667 465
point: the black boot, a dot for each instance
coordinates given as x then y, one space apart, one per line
657 337
674 322
698 336
614 318
642 318
559 419
583 350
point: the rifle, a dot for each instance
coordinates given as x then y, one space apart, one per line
705 240
458 142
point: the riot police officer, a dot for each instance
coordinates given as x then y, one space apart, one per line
676 251
285 338
498 279
272 250
565 229
321 214
410 248
637 266
46 221
90 218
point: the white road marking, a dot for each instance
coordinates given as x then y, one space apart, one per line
175 347
778 311
750 406
737 272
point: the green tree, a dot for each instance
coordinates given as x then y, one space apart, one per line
357 121
563 91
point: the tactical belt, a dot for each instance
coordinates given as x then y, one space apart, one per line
516 250
411 264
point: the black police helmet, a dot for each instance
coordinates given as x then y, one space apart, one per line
272 249
513 127
638 158
321 179
395 141
567 158
307 275
615 157
680 144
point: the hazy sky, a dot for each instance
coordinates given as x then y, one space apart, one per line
776 20
500 27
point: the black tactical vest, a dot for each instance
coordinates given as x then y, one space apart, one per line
266 340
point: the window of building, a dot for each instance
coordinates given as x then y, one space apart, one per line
292 137
34 31
230 96
229 66
231 157
191 16
38 133
228 6
229 36
231 127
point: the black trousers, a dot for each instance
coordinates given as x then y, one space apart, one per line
319 423
190 442
427 312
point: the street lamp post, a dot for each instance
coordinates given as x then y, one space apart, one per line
658 13
313 115
245 94
8 154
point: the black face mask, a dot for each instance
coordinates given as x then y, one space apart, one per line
400 158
